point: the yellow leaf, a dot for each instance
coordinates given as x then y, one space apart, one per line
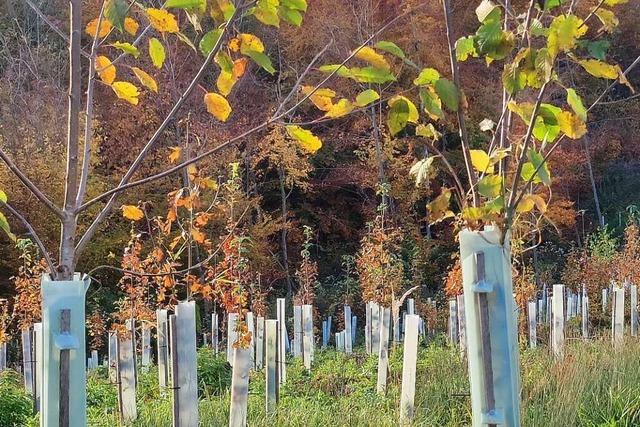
481 161
218 106
145 79
369 55
608 19
438 209
571 125
306 138
131 212
126 91
341 108
92 26
321 98
175 154
600 69
564 32
413 111
225 82
529 201
198 235
106 71
249 42
162 20
234 44
131 26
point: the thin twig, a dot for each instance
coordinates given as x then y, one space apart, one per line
30 185
57 30
33 234
455 72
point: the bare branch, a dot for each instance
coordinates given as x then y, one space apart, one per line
88 125
561 138
46 19
30 185
525 147
455 73
302 76
156 136
33 234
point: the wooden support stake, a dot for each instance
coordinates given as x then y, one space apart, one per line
65 328
485 334
173 342
633 289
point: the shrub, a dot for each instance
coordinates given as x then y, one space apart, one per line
15 405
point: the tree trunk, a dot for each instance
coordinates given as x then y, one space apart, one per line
68 234
596 199
283 234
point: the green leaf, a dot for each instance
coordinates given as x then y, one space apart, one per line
225 62
490 186
292 16
398 116
465 48
448 93
266 11
371 75
156 52
116 11
209 40
431 103
550 4
4 225
340 70
186 4
528 173
426 77
261 59
597 49
391 48
366 97
538 161
484 10
295 4
428 131
3 197
127 48
574 100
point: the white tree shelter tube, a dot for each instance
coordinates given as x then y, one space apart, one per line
491 328
58 296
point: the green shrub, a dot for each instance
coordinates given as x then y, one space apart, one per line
16 407
214 373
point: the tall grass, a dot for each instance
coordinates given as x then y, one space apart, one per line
592 386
